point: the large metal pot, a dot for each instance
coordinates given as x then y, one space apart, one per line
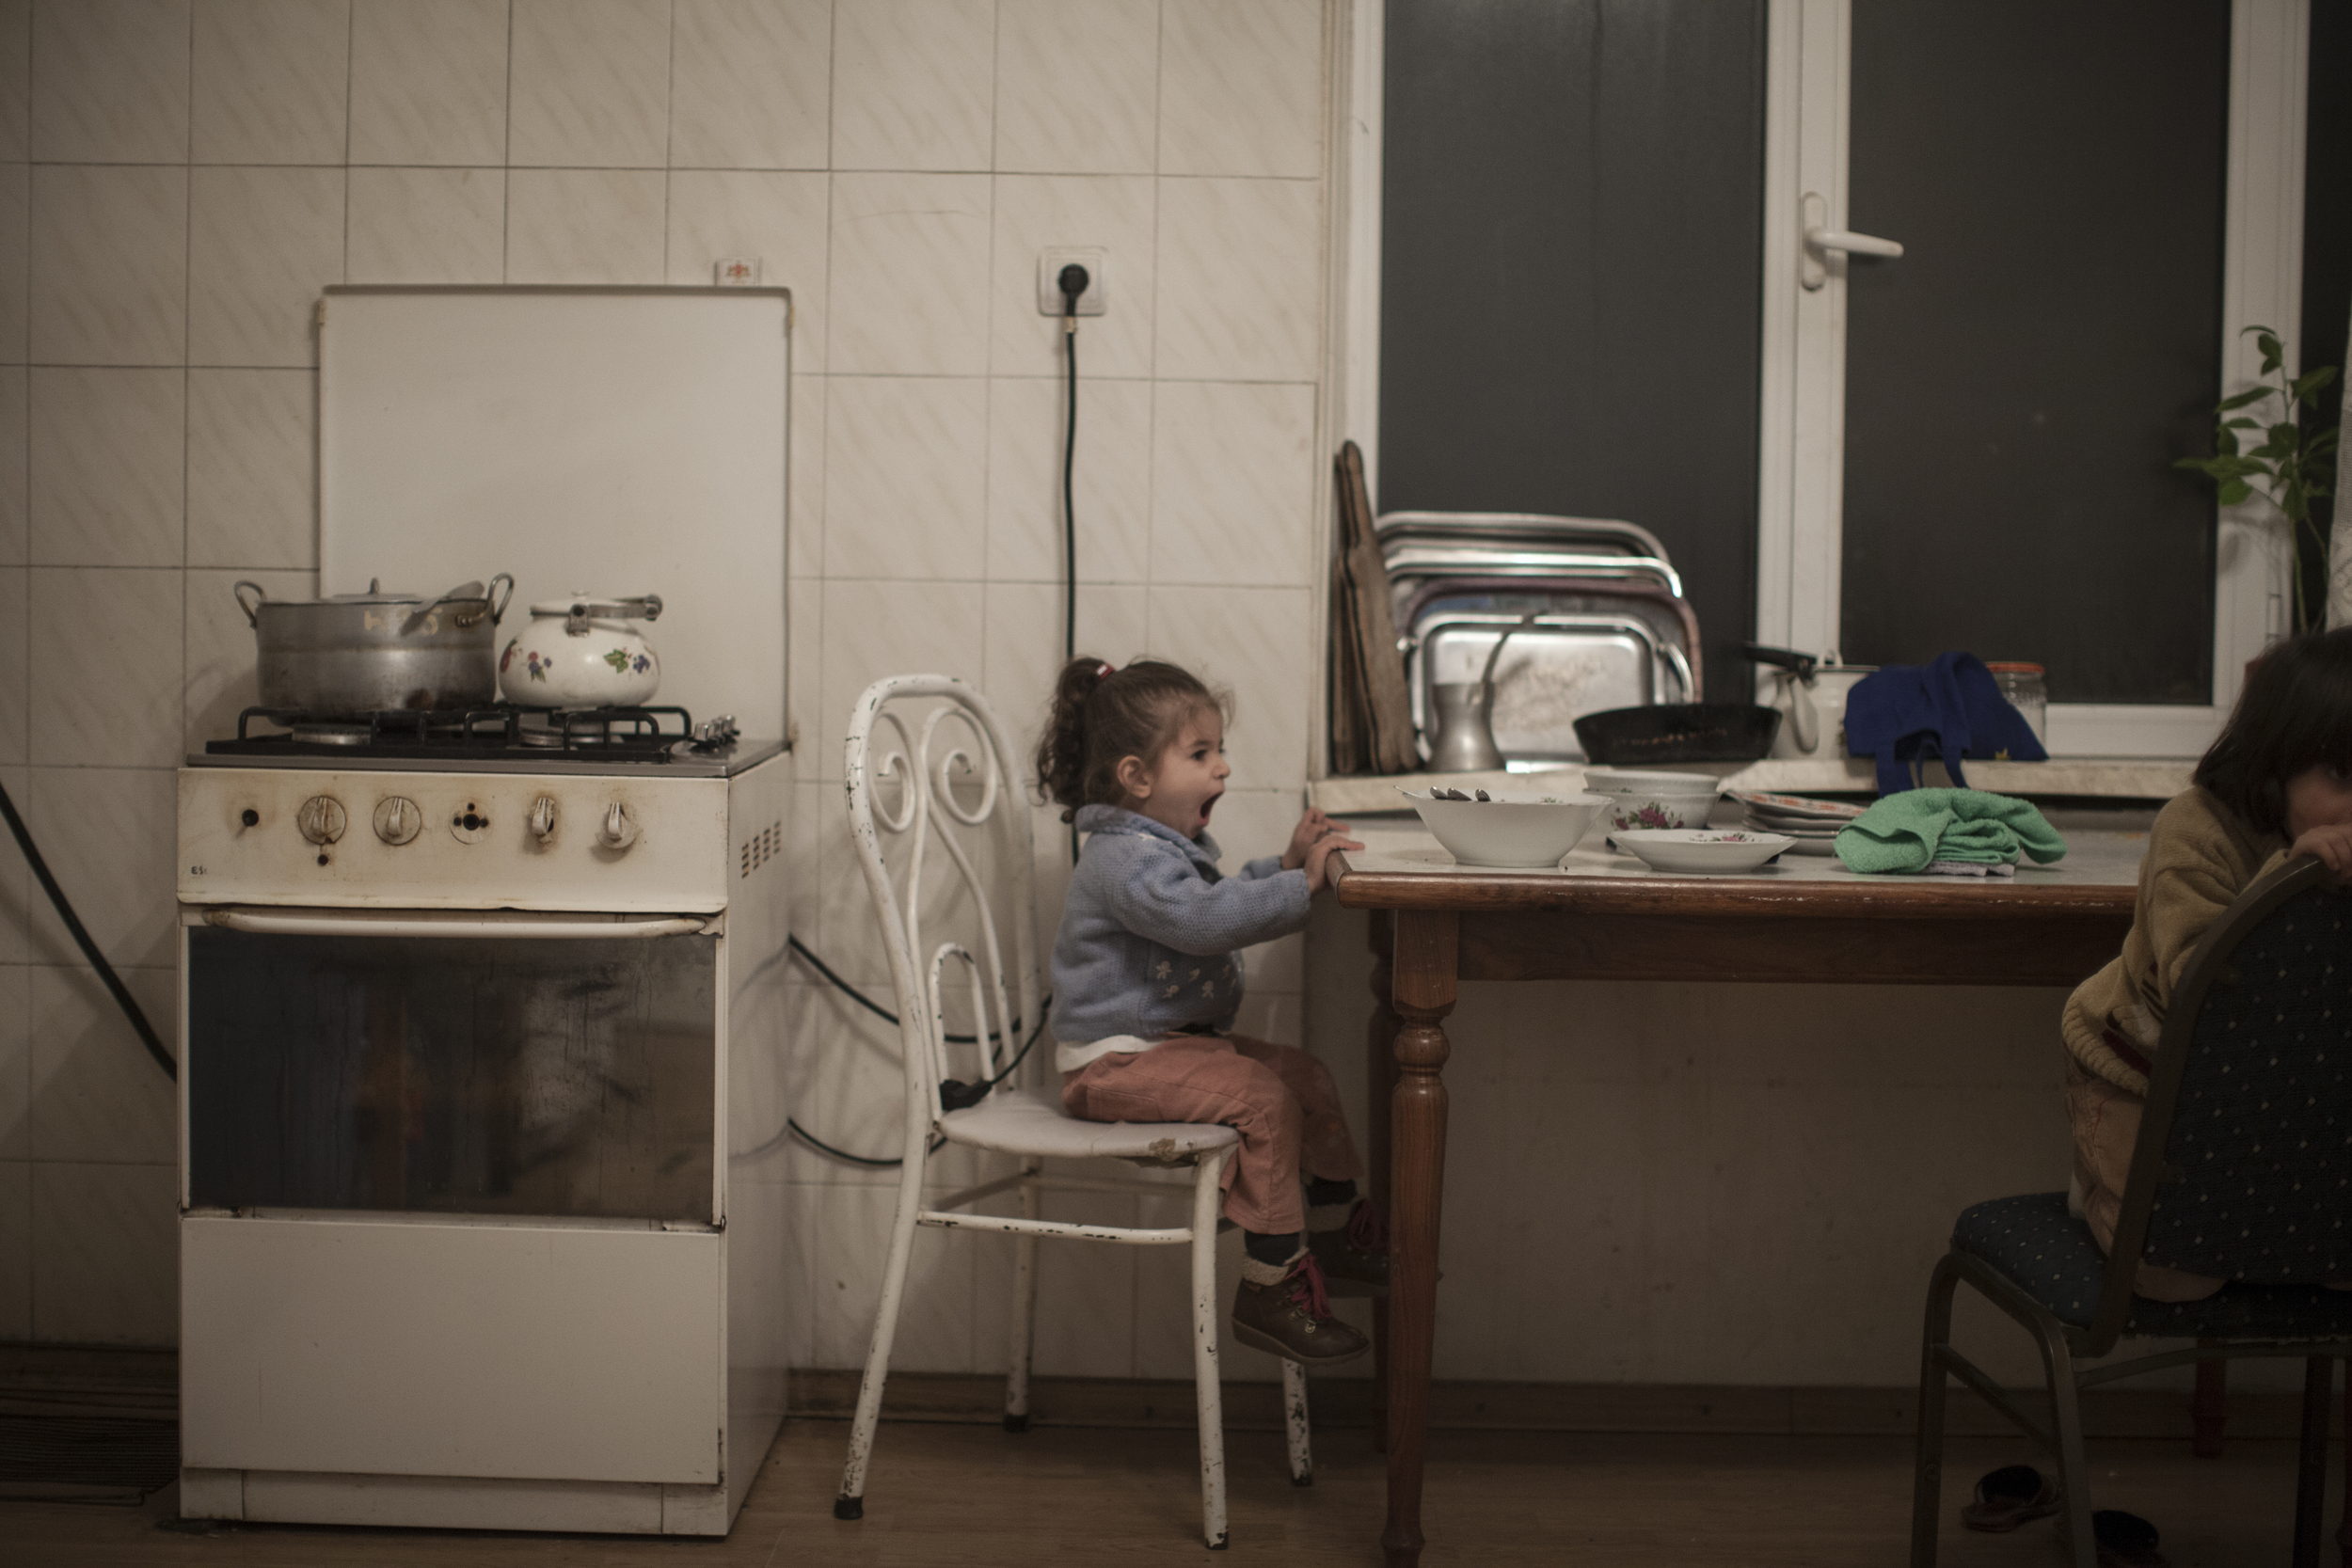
376 652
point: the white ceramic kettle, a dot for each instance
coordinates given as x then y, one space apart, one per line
583 652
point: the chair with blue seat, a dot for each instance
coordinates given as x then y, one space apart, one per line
950 788
2243 1171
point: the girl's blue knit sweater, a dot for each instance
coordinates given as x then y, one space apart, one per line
1147 935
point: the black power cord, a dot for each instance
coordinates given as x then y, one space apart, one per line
122 996
1073 282
954 1095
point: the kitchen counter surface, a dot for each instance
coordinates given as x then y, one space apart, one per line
1408 865
2119 779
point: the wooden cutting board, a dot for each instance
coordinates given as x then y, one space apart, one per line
1370 707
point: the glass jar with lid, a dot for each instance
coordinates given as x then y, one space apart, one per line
2028 692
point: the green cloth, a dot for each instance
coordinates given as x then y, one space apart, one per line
1905 832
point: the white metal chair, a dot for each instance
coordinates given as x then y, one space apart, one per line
1021 1116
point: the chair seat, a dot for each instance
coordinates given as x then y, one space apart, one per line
1031 1121
2051 1253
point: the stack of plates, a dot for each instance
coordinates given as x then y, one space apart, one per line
1812 823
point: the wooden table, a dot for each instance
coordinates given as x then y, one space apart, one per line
1603 916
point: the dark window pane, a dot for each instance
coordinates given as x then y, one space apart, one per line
2019 383
452 1076
1570 274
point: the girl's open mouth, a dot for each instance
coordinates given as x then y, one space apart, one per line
1208 805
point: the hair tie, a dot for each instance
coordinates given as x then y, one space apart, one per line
1104 672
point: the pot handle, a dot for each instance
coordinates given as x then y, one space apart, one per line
498 600
253 610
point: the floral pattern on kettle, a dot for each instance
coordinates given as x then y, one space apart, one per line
535 663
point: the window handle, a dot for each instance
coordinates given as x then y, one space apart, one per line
1820 242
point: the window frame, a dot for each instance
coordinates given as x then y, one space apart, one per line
1800 447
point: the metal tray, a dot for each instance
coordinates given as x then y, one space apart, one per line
1411 565
1551 673
1518 529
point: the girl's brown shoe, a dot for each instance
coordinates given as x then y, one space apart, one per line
1292 1318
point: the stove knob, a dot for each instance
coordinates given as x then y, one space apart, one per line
397 819
543 818
619 829
320 819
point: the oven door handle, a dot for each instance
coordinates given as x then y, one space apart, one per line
362 923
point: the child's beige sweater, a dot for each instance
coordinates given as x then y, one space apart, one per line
2200 856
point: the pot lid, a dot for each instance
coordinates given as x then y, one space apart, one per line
377 593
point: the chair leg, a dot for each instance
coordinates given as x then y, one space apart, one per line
2344 1530
2310 1471
2209 1408
1294 1423
1024 1311
1927 1482
850 1504
1204 1324
2066 1425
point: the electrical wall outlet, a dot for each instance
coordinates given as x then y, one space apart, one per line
1050 261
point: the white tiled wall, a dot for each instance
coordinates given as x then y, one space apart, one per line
177 178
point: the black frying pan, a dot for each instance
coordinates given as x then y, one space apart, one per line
1677 732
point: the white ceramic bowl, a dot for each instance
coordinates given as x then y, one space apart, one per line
1643 799
1509 829
1723 851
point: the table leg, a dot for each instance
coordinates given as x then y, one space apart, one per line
1426 975
1379 1084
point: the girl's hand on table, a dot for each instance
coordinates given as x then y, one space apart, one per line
1312 827
2332 843
1319 872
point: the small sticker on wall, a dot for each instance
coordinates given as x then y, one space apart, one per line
737 272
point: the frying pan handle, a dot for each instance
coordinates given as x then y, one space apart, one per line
1785 659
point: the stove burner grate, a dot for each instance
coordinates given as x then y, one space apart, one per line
650 734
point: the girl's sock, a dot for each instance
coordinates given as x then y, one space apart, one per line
1267 1256
1328 1204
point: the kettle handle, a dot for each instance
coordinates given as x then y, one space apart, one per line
499 601
253 610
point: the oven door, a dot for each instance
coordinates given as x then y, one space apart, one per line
451 1206
424 1063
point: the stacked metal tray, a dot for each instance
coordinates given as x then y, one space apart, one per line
1611 628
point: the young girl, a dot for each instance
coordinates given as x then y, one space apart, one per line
2276 783
1146 986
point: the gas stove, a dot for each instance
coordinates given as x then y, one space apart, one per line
498 738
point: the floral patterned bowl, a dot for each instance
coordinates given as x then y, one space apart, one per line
1639 799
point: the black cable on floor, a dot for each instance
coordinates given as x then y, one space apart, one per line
122 996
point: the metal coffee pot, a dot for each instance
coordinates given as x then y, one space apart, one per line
1464 718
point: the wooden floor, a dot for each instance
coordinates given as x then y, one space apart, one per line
947 1495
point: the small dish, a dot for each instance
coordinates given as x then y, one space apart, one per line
1508 830
1723 851
1642 797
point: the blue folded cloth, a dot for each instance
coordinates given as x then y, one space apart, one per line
1949 709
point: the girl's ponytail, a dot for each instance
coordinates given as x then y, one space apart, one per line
1061 750
1100 715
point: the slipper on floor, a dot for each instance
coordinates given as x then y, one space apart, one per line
2125 1540
2009 1497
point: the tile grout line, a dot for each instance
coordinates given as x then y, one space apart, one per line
506 160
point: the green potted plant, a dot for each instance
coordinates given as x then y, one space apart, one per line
2289 467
